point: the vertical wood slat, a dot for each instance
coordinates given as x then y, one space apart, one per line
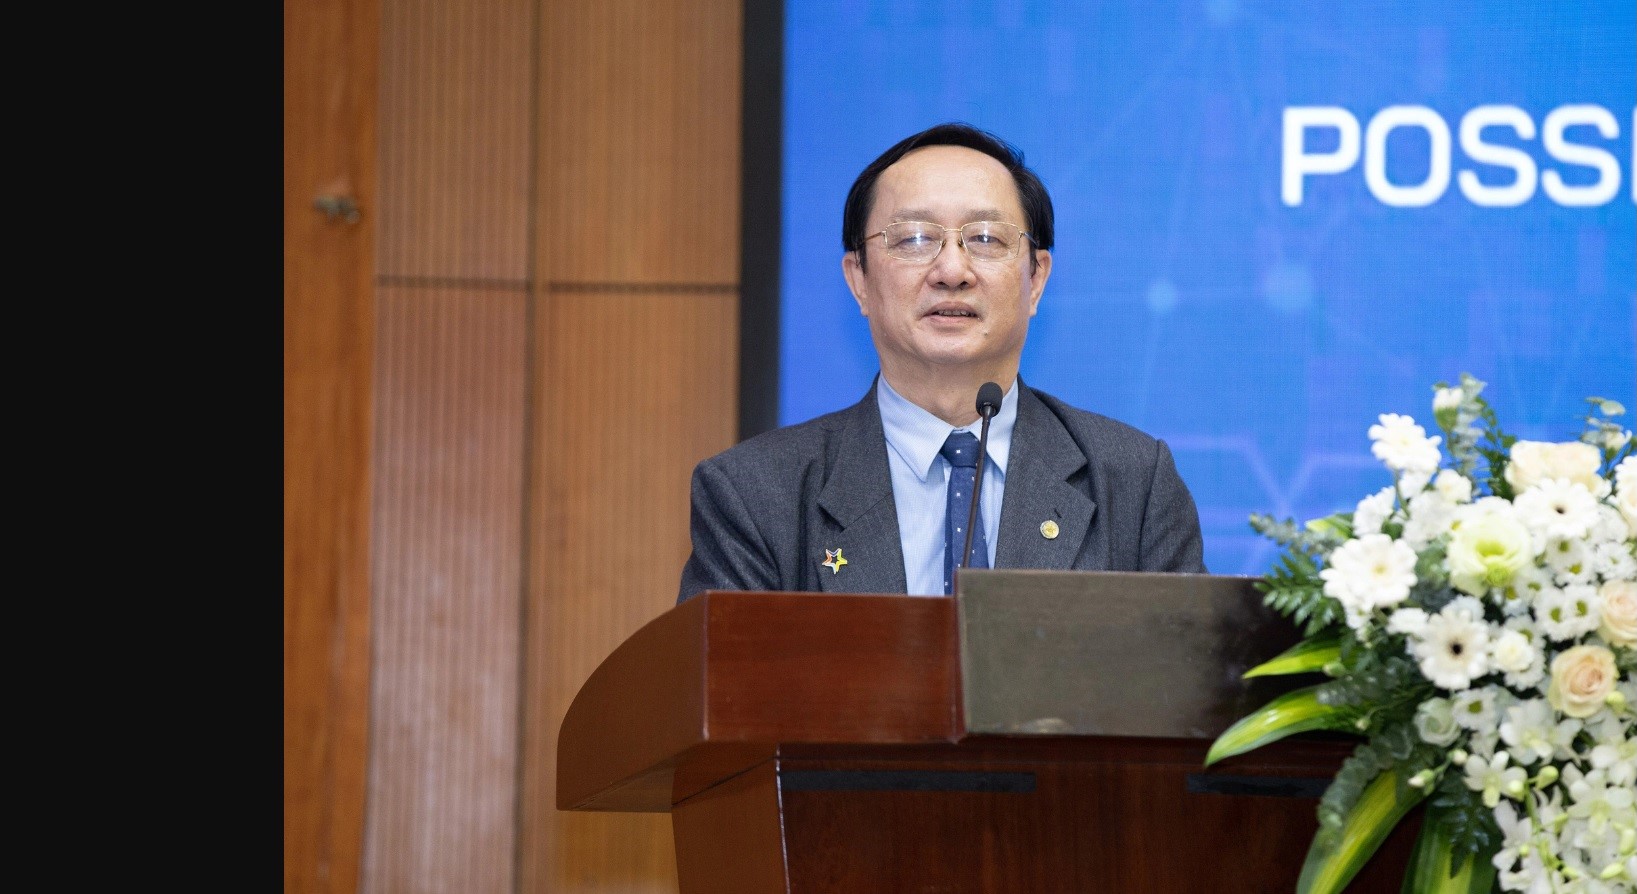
448 536
639 174
456 139
641 382
639 104
638 141
329 129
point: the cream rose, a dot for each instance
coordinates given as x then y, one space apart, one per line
1625 500
1619 624
1535 461
1582 677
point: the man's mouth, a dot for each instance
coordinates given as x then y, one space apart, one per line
951 312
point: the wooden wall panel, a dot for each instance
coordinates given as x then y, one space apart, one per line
329 150
641 387
456 139
557 271
448 548
640 142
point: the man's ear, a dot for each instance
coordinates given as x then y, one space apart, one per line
1037 286
853 272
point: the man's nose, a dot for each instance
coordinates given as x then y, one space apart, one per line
952 267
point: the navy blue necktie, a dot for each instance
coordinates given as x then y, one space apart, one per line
961 450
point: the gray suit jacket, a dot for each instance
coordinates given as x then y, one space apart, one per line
765 511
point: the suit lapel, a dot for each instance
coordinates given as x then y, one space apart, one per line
862 519
1043 456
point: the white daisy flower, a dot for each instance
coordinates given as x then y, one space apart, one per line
1408 621
1454 648
1429 517
1517 597
1571 561
1453 486
1568 613
1557 507
1478 708
1403 446
1374 571
1373 511
1613 561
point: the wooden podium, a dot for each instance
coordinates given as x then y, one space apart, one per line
1041 731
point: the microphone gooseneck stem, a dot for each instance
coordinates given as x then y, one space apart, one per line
978 485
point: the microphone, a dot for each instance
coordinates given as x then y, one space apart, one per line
989 398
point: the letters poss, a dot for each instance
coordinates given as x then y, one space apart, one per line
1298 162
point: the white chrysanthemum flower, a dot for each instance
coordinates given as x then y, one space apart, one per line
1435 722
1413 481
1373 511
1570 561
1533 462
1488 546
1403 446
1519 596
1430 515
1557 507
1568 613
1610 527
1453 486
1529 731
1615 751
1494 778
1408 621
1614 562
1374 571
1516 653
1478 708
1453 650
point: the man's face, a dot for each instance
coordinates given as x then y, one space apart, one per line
954 317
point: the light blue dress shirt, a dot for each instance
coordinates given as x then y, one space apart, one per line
920 481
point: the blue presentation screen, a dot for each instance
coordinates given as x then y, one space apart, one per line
1275 220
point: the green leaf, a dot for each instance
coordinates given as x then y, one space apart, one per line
1330 866
1308 655
1294 712
1429 871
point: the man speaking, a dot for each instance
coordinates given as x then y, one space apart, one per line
948 242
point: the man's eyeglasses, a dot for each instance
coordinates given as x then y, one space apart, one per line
983 240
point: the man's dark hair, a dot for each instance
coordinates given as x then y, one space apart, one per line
1031 193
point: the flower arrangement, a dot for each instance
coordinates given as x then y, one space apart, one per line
1476 622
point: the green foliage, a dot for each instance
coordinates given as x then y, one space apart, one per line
1471 827
1357 771
1293 589
1496 450
1379 679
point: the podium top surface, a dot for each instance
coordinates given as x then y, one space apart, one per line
725 679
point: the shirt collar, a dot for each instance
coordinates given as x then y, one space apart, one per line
916 435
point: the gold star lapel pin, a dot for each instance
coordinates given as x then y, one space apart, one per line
833 560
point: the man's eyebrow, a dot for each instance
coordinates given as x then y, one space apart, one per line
974 214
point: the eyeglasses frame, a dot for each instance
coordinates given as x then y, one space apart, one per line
944 240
